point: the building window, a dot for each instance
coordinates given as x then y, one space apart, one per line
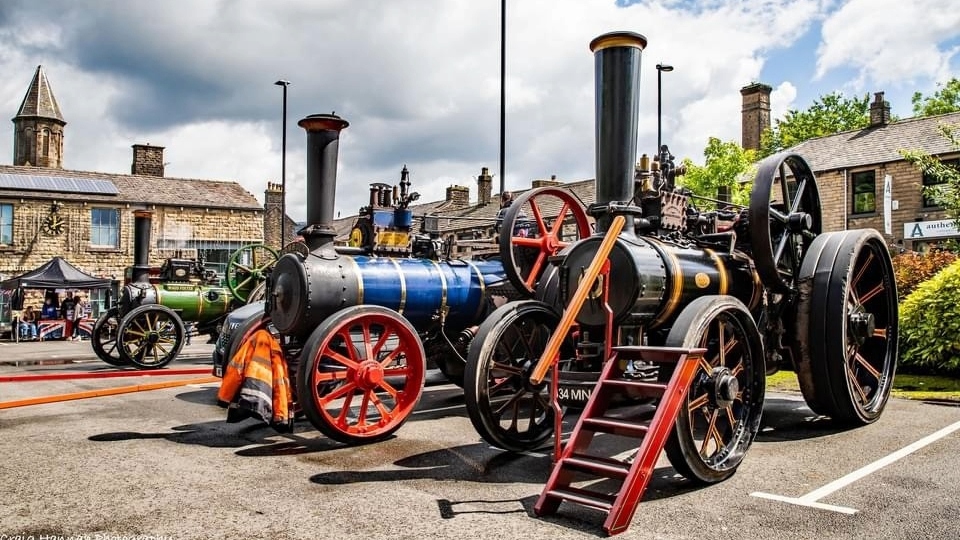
99 302
104 228
6 224
929 199
864 192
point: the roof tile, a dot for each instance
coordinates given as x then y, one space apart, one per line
135 189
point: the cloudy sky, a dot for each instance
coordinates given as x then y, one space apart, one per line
418 80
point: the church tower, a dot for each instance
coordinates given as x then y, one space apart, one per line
38 127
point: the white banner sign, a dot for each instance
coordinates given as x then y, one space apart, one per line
888 204
916 230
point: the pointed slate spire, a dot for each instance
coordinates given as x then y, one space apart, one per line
39 101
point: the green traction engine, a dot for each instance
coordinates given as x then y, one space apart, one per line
156 314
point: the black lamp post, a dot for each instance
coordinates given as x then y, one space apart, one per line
283 167
503 91
660 69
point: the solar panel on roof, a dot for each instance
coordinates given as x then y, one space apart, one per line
60 184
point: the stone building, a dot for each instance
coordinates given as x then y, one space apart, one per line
854 168
87 217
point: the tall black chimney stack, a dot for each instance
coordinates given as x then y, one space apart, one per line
140 273
617 65
323 136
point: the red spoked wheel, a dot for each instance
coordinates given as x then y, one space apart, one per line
536 226
361 374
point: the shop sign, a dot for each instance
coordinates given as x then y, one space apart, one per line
915 230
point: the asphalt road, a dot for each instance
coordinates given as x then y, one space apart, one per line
165 463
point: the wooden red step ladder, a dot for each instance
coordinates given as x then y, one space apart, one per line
576 456
574 461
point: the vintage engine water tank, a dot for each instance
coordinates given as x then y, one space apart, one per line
304 291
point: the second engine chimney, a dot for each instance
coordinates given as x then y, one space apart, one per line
141 246
617 65
323 143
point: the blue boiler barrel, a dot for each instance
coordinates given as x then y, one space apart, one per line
306 290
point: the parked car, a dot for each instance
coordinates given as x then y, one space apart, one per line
228 342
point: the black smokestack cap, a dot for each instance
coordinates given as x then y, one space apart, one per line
617 65
141 246
323 136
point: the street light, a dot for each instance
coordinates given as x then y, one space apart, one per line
283 167
503 91
660 69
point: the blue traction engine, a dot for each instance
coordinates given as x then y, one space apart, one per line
359 323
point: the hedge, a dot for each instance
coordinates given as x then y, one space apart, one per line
930 324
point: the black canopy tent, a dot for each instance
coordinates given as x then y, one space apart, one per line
56 273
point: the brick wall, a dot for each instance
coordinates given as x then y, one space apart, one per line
147 160
484 187
272 214
906 191
459 196
755 114
32 247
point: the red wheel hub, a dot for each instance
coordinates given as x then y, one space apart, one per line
551 244
369 374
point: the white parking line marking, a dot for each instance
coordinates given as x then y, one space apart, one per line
810 499
438 409
530 453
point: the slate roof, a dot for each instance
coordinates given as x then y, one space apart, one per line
875 145
135 189
39 101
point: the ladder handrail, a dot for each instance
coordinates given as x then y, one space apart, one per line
549 355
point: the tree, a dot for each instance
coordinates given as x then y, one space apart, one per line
832 113
726 164
945 100
946 189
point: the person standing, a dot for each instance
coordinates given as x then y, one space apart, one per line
82 311
68 306
68 311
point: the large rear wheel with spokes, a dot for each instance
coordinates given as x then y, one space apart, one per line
847 326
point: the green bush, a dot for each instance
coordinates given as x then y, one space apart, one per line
930 324
912 268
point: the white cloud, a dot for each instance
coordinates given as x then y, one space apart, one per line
781 99
890 42
418 80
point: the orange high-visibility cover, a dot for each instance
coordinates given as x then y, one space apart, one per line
255 381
